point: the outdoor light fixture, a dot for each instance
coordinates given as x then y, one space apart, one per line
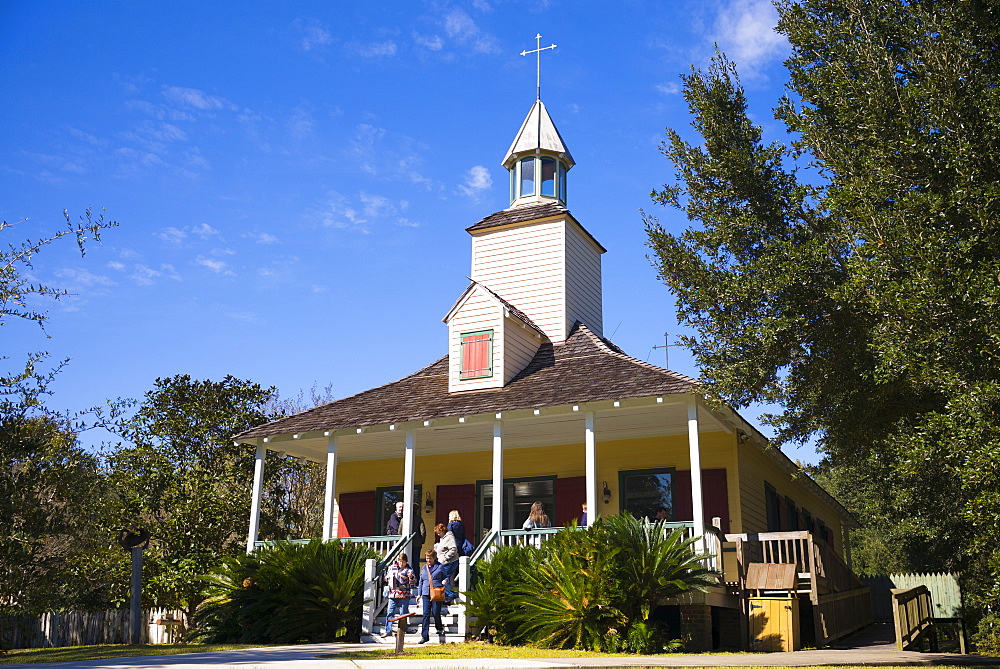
606 495
428 504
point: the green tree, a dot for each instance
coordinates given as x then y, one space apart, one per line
851 275
181 477
53 496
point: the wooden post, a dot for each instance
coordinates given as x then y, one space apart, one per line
135 612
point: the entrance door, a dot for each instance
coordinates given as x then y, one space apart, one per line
518 496
385 505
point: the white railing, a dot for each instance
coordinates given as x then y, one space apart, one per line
375 602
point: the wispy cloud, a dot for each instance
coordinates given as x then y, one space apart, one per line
262 237
81 278
463 29
178 235
382 49
669 89
431 42
313 34
192 97
171 234
220 267
301 124
394 157
362 213
245 317
744 29
477 181
205 231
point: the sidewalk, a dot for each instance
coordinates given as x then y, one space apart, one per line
865 649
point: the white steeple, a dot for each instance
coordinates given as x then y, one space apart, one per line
538 160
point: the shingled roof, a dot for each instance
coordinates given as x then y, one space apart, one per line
584 368
529 212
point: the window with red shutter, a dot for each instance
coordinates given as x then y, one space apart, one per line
477 354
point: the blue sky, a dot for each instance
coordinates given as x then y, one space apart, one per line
292 180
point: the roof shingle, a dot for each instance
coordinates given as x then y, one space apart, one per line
584 368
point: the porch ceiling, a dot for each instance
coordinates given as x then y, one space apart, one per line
630 419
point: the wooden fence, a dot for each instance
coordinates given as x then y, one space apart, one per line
946 594
85 628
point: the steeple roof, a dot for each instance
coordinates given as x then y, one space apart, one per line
538 132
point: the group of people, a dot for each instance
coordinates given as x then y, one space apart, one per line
440 570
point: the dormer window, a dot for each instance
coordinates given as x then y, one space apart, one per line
477 354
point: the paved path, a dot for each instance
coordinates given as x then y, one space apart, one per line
869 648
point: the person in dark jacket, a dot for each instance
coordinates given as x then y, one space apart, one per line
457 527
432 573
421 535
392 527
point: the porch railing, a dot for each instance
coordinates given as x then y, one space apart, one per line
839 598
375 601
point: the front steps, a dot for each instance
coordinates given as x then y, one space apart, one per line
449 616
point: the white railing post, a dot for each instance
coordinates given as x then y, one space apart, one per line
368 613
464 574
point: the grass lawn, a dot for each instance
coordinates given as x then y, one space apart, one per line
471 649
81 653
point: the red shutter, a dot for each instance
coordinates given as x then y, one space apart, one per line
461 498
714 495
476 355
357 514
683 508
571 493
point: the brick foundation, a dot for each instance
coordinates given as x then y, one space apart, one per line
696 627
730 635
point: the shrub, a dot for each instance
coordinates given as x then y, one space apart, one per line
590 588
986 638
285 594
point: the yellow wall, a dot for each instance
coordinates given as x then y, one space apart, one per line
757 468
747 468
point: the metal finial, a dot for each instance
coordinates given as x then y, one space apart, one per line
538 63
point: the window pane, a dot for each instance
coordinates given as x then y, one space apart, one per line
528 176
562 182
645 493
548 177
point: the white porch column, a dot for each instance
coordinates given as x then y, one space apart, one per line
497 475
406 524
695 448
258 487
330 492
590 460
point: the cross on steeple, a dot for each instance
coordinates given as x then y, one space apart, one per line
538 64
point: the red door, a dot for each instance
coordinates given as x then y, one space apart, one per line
714 495
357 514
461 498
571 493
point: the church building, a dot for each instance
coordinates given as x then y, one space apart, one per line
530 402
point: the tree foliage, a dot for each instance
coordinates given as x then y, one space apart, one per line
181 477
851 275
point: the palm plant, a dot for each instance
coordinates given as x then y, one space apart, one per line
591 588
286 593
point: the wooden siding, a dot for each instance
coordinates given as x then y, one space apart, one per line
479 312
525 265
756 468
583 280
519 346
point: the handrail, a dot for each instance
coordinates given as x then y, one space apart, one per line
483 547
395 551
